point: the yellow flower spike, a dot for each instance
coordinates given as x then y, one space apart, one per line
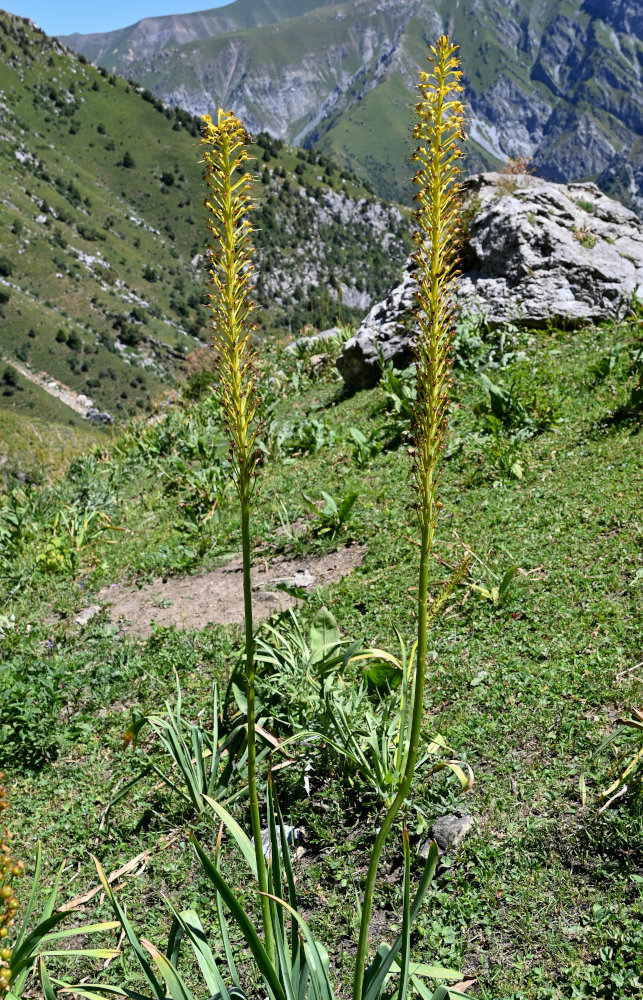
438 128
229 289
230 301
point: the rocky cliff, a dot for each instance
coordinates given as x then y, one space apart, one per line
537 253
556 80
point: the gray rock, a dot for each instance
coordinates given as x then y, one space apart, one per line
448 832
551 252
386 334
97 417
87 614
539 253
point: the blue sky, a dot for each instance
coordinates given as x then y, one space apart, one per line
63 17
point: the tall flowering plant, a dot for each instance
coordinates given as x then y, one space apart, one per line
291 962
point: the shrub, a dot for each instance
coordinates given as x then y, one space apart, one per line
130 334
87 232
74 343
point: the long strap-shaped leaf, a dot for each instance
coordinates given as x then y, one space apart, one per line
105 925
244 923
130 933
45 981
177 988
241 838
315 953
275 887
98 991
193 928
22 956
223 924
174 942
377 971
290 879
32 898
405 950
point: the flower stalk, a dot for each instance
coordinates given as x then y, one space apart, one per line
9 869
231 306
439 126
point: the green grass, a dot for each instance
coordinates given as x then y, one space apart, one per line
42 444
544 898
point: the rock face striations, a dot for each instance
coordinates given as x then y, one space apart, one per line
545 252
558 80
538 252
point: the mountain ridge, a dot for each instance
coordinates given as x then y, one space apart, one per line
102 235
556 80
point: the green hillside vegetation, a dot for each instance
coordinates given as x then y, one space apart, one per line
101 216
543 899
39 447
555 80
95 242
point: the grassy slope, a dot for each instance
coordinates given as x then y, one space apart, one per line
79 227
322 47
544 899
41 445
83 233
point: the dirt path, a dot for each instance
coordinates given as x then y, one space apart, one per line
192 602
55 388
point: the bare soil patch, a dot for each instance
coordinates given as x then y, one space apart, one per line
192 602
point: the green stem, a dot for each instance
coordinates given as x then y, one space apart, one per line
403 791
432 370
255 821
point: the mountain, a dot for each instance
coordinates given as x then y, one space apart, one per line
102 231
558 81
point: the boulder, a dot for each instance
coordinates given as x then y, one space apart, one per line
387 334
97 417
448 832
537 253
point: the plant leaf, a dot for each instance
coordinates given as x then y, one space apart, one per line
178 989
241 838
324 630
130 933
45 981
244 923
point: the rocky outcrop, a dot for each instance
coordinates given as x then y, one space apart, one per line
96 416
386 334
624 177
327 239
550 252
538 253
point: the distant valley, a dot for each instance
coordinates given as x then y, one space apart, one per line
558 81
103 232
